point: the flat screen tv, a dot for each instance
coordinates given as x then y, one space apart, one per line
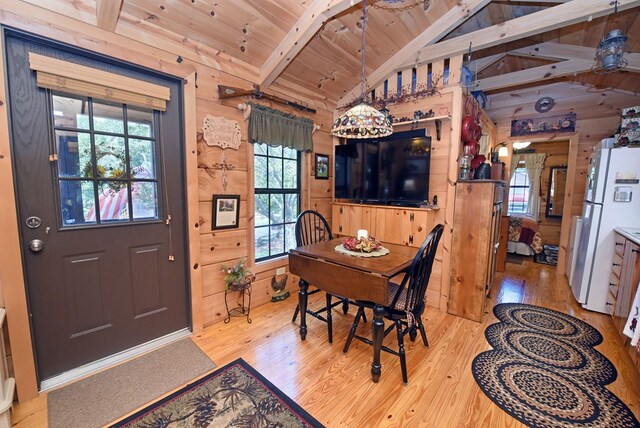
388 171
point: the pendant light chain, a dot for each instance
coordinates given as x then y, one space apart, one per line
362 121
364 48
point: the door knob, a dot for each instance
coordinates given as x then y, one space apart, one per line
36 245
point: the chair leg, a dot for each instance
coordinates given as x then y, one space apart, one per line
413 333
345 306
329 321
295 313
423 333
403 360
354 326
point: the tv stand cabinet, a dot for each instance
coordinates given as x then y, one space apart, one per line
396 225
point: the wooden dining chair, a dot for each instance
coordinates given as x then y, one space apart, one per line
312 227
407 302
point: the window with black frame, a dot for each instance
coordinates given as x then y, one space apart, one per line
277 199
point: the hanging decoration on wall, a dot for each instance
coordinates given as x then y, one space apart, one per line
544 104
221 132
542 125
224 167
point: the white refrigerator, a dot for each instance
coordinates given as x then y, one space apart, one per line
612 199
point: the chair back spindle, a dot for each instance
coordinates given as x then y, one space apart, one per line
415 282
312 227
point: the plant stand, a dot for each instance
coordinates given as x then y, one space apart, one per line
243 286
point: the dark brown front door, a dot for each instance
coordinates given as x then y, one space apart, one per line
95 183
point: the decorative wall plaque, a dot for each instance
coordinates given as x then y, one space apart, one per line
221 132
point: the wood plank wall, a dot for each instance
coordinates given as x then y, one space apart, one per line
184 60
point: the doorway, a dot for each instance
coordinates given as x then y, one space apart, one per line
96 182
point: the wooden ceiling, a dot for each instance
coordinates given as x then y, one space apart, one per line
313 47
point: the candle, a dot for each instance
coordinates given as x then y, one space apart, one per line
362 233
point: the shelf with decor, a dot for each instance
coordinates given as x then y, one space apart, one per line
412 124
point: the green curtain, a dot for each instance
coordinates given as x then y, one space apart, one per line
278 128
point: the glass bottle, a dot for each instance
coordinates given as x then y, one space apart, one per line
465 163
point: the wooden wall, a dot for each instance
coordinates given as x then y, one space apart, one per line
216 248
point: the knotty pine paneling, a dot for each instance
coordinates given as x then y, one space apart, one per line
205 209
219 246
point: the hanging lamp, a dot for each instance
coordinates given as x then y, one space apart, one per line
362 121
611 50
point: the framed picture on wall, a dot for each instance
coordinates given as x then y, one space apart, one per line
322 166
226 212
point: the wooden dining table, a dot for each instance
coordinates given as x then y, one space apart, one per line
356 278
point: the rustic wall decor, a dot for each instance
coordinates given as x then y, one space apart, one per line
224 167
322 166
221 132
226 212
542 125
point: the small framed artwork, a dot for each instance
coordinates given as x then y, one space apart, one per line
322 166
226 212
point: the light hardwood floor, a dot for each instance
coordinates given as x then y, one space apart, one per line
337 388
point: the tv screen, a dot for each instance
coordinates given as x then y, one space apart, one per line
392 170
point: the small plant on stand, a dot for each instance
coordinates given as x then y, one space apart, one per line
237 275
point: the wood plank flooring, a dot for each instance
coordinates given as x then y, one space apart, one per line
336 388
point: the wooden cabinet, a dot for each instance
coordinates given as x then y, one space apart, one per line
404 226
501 264
623 284
474 247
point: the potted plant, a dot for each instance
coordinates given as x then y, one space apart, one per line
237 275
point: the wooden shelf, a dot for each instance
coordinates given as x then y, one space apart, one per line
423 120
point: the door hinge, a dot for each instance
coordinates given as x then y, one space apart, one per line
340 229
411 217
410 239
53 157
340 210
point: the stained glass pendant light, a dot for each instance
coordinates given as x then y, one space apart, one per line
362 121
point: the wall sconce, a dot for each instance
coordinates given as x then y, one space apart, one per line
499 151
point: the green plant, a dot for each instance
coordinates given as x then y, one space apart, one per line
236 272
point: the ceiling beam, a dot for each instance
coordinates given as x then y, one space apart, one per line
306 27
535 74
477 65
538 1
535 23
436 31
107 13
563 51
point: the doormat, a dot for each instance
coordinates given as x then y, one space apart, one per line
548 255
110 394
234 396
544 371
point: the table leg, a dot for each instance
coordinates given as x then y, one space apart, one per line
377 328
302 304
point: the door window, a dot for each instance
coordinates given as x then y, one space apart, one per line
107 158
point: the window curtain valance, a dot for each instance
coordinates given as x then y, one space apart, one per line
275 127
78 79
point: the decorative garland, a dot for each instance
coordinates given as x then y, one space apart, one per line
425 3
405 95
